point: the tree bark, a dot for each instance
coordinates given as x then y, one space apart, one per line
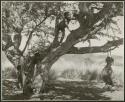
43 68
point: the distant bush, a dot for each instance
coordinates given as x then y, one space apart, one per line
71 74
9 73
52 75
90 75
78 74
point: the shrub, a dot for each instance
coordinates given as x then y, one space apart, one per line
90 75
71 74
9 73
52 75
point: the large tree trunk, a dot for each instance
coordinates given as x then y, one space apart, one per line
43 68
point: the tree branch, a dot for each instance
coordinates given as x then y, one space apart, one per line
30 35
96 49
82 32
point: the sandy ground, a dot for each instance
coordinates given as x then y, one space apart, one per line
64 90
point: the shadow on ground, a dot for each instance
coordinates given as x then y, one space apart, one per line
74 91
61 90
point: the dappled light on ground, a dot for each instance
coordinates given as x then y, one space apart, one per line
61 90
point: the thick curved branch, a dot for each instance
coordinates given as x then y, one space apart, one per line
96 49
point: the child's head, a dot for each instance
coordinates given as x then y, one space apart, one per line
109 60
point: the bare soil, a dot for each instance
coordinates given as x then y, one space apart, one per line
64 90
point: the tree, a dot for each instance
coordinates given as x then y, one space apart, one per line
29 19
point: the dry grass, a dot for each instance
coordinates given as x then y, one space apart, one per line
92 71
70 74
